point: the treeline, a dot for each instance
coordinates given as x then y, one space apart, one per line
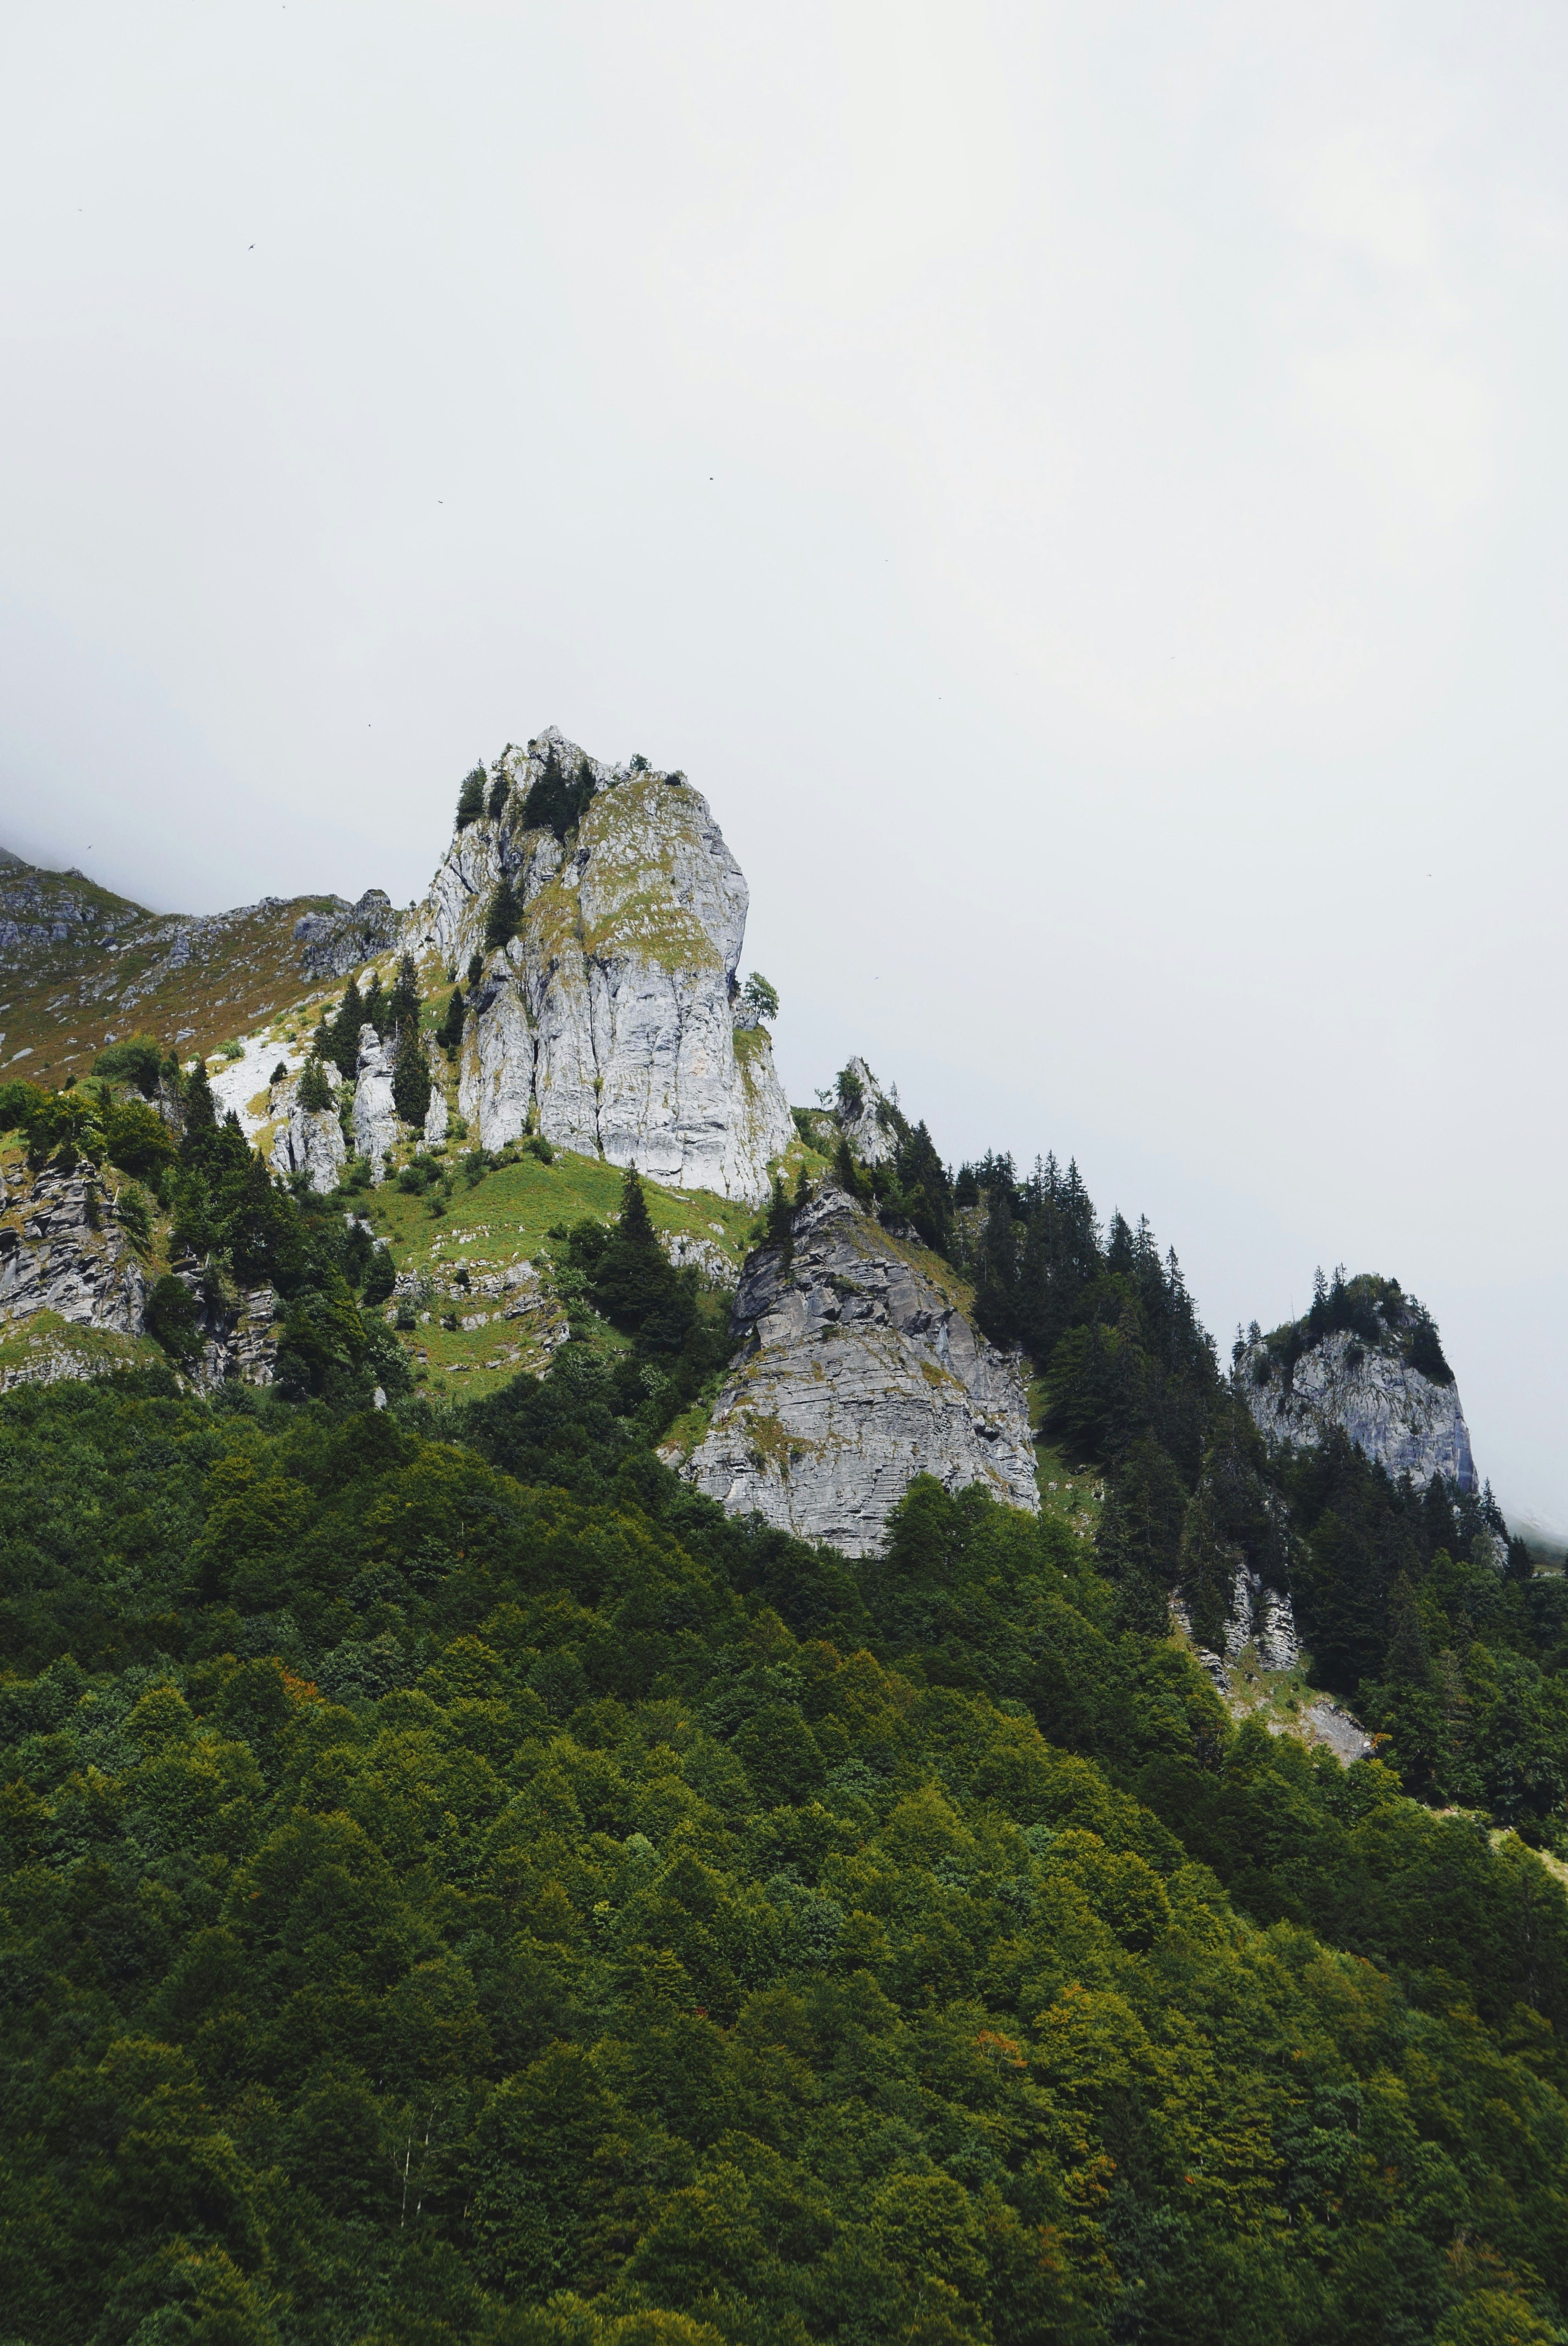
1414 1607
460 1886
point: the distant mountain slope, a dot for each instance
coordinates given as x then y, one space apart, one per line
81 966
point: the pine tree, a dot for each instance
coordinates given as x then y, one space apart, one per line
501 920
634 1276
403 1001
377 1007
200 1116
411 1077
342 1044
314 1093
448 1034
471 798
498 790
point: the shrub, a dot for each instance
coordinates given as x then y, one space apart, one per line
134 1061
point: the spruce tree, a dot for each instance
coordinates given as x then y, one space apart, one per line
343 1035
471 798
448 1034
633 1275
411 1077
377 1008
403 1001
200 1116
501 921
314 1093
498 790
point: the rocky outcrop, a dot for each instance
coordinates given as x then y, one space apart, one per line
375 1117
606 1021
869 1116
63 1250
333 942
310 1141
1363 1380
858 1370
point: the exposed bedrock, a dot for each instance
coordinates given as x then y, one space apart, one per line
858 1371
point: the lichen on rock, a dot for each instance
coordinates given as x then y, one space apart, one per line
605 1021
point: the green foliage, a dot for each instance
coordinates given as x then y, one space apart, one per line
471 1905
314 1092
759 997
136 1139
448 1034
337 1038
502 916
471 798
558 801
410 1076
138 1060
173 1317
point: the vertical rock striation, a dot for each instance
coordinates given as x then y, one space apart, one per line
858 1371
606 1018
1382 1377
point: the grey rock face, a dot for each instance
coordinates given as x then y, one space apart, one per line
52 1259
858 1371
311 1142
1404 1419
375 1117
607 1023
871 1130
332 943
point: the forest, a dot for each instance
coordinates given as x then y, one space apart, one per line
460 1886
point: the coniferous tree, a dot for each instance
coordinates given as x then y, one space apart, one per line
471 798
497 801
404 1000
410 1076
448 1034
501 920
377 1007
341 1043
634 1274
314 1092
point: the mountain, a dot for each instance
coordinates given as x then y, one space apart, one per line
632 1717
1366 1359
604 1017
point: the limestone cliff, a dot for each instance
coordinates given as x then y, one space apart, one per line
62 1251
858 1370
1366 1359
606 1020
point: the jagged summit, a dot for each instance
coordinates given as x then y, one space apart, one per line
1366 1358
597 917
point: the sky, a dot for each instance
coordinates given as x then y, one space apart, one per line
1082 491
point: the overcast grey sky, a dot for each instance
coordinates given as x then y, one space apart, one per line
1081 489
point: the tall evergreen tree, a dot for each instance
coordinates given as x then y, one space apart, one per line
340 1042
448 1034
633 1275
471 798
403 1001
501 920
410 1076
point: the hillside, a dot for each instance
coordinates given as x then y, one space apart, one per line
769 1753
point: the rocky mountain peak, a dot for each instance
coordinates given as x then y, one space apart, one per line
597 918
1366 1358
